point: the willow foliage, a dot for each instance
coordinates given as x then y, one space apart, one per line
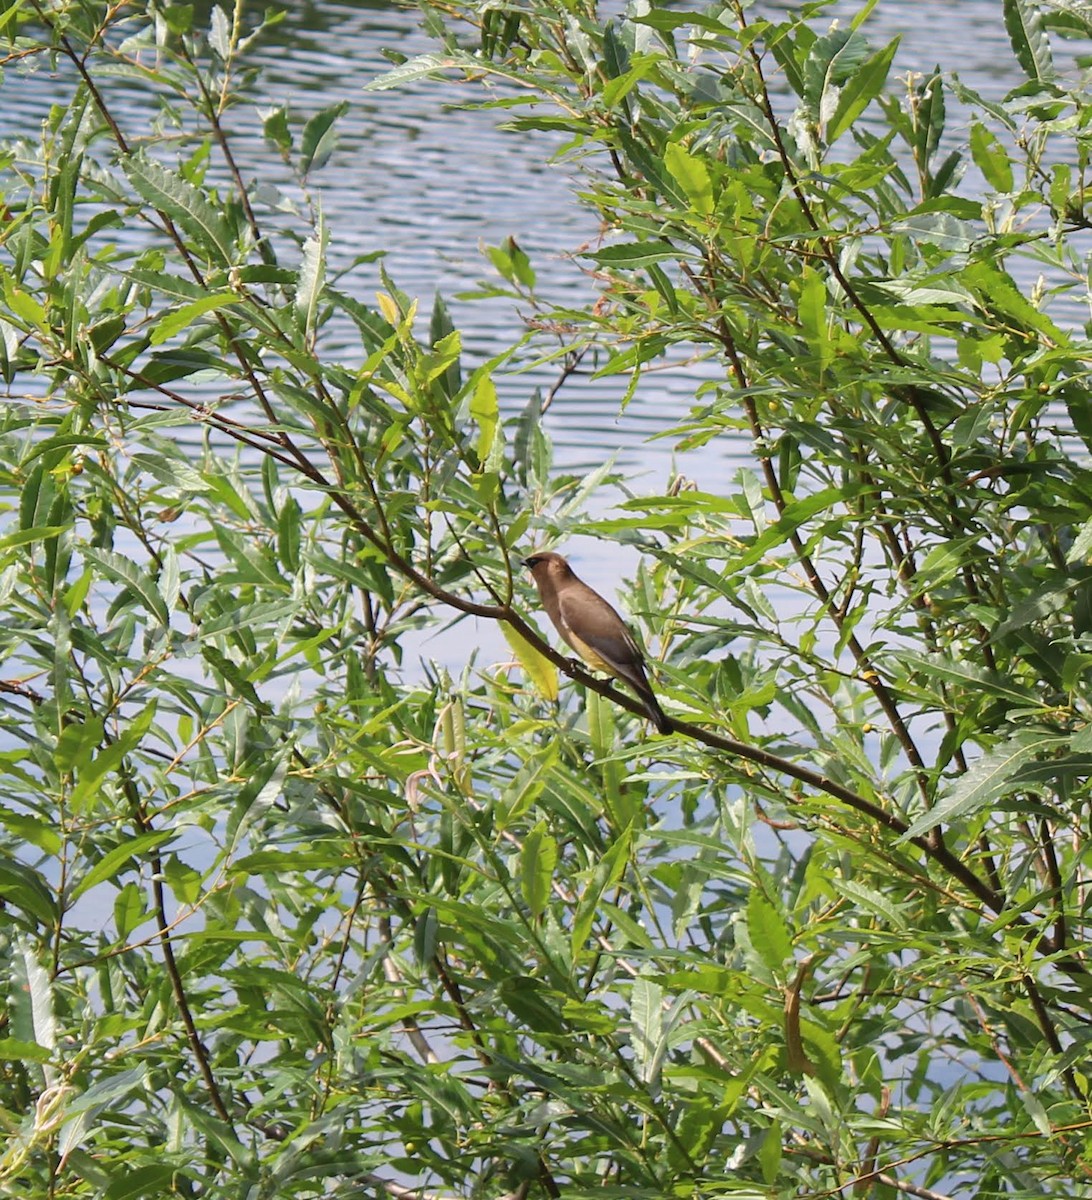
282 918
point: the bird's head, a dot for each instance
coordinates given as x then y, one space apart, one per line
547 566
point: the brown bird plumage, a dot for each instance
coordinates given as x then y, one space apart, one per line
593 628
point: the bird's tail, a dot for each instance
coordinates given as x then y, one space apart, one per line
655 713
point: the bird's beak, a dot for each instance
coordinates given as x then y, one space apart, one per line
526 562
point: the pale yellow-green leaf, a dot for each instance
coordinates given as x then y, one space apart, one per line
484 409
540 671
388 308
692 175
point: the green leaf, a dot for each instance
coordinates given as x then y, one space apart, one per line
862 87
183 880
522 270
289 534
792 518
275 128
142 1182
109 759
769 1154
832 61
534 1004
1038 1114
423 66
769 931
23 888
9 14
30 829
236 676
220 33
991 158
111 864
443 334
988 780
319 137
312 278
930 116
176 321
130 909
938 229
24 537
692 176
1024 23
875 902
34 982
77 744
947 670
605 875
140 585
812 310
537 862
25 307
13 1050
179 200
61 442
637 254
1004 301
647 1019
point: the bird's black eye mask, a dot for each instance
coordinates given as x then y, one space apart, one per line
533 561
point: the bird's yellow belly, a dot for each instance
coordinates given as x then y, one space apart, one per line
586 652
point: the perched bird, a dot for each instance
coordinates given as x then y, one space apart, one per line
594 630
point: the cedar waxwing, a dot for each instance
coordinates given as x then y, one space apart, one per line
594 630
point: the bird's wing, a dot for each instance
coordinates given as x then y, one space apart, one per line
591 624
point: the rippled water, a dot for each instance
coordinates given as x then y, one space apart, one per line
431 185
